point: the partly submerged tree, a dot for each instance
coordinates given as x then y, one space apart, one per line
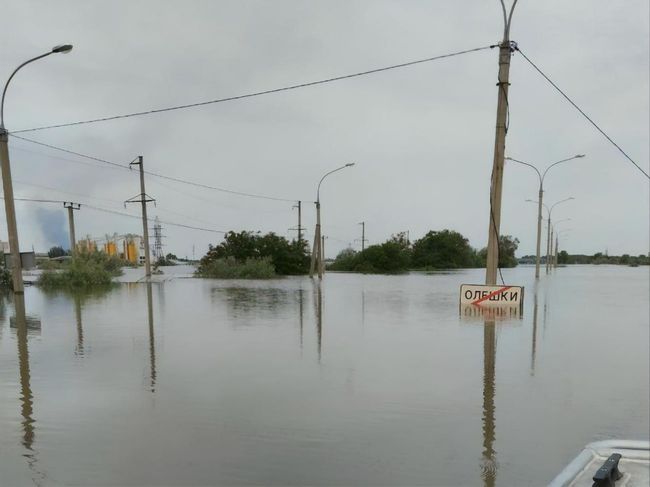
445 249
286 257
507 247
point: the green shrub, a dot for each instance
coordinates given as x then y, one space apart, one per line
49 265
5 279
85 270
230 268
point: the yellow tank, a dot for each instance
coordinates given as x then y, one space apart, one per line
110 248
86 245
131 252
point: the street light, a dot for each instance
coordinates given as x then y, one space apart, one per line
5 168
556 232
540 202
557 244
317 249
549 235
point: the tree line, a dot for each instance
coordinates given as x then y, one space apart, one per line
444 249
254 255
564 257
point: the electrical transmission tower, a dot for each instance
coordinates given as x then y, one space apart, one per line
157 240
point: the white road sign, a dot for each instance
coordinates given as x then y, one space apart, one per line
481 295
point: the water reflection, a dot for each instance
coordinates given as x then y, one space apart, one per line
534 340
318 305
152 342
489 465
363 309
79 350
26 396
491 313
252 300
301 298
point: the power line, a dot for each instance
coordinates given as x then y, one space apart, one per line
258 93
164 210
106 210
583 113
152 219
68 151
158 175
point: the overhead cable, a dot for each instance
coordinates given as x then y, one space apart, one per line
254 94
203 229
158 175
106 210
583 113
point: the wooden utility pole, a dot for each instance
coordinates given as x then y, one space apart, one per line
10 210
143 198
496 187
71 207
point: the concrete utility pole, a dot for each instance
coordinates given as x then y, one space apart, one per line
299 228
549 238
540 202
322 256
317 254
363 236
549 260
7 184
505 53
557 234
143 199
548 242
315 251
71 207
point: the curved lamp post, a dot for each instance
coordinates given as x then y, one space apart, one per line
554 231
10 209
540 201
317 250
549 236
557 243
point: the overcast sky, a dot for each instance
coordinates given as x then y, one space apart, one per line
422 137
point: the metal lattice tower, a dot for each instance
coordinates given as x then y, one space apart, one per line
157 240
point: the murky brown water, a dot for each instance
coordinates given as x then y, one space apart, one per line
367 380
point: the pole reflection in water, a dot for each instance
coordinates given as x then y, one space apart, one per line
152 343
318 304
489 464
545 309
26 396
534 345
80 331
301 297
363 310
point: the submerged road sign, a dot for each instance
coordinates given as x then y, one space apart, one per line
481 295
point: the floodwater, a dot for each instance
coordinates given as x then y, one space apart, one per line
363 380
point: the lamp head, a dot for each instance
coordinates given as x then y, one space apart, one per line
63 48
580 156
349 164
